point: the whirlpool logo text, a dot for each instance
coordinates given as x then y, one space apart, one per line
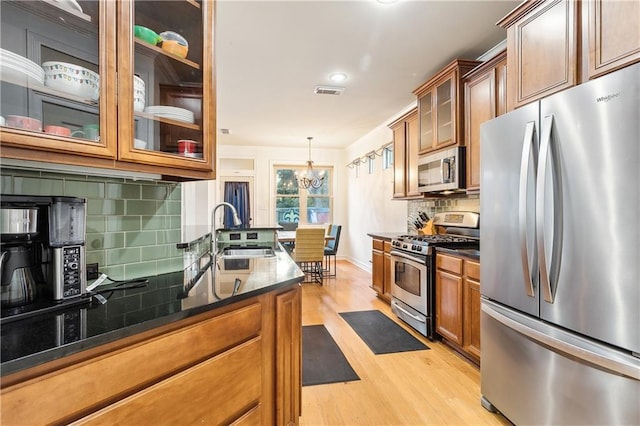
608 97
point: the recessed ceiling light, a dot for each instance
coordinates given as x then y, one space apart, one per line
338 77
387 1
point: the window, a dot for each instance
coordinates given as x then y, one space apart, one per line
387 156
306 206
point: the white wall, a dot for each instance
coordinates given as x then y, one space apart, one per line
370 203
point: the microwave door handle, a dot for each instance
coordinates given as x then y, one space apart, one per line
445 170
527 150
545 153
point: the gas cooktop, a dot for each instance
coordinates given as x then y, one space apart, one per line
456 222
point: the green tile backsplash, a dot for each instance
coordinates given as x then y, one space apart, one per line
132 227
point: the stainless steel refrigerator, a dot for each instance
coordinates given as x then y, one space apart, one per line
560 252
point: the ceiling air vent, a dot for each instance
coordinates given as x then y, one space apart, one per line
224 131
328 90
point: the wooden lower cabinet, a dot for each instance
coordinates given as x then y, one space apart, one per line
190 398
381 268
226 366
288 357
458 303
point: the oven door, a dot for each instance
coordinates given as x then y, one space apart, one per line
409 279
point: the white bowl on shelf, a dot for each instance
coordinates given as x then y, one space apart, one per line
72 79
138 104
138 83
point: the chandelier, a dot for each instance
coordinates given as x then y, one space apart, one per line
310 179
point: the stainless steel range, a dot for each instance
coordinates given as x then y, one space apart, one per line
413 267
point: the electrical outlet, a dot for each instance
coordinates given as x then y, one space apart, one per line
92 271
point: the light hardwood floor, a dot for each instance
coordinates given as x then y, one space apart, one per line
429 387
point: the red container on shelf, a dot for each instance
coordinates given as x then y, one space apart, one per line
187 147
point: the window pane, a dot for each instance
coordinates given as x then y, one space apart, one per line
287 209
286 183
324 189
387 157
318 210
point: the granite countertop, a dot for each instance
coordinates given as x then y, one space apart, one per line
385 235
470 253
42 338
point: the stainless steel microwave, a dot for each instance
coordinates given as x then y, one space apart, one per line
442 170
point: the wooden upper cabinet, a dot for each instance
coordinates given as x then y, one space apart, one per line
614 35
440 107
485 98
555 44
405 156
176 99
542 41
88 105
73 102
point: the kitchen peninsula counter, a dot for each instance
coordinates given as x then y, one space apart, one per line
243 313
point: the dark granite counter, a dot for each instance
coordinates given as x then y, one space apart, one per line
387 236
42 338
470 253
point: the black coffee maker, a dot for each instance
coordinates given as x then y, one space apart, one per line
42 264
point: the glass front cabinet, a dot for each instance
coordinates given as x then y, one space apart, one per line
124 84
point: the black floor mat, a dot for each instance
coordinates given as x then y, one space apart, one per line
322 360
380 333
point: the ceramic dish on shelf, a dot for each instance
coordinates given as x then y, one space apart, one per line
69 4
174 43
72 79
139 95
138 104
22 122
173 113
139 144
16 67
175 48
138 83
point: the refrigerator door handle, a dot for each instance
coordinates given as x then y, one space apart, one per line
527 149
545 149
566 349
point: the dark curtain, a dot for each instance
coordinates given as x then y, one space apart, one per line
237 194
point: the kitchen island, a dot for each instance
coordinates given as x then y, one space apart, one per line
226 350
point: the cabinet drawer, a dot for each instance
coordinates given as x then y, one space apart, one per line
221 390
62 394
378 245
449 263
250 418
387 246
472 270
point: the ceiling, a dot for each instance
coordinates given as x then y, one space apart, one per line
270 56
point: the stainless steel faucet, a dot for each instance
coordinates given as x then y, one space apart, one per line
214 234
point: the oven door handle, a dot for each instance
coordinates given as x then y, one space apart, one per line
402 255
404 311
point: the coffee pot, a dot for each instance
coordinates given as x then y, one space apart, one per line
18 286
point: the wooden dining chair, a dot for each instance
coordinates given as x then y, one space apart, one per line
309 253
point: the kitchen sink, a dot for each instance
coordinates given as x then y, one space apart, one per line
245 252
